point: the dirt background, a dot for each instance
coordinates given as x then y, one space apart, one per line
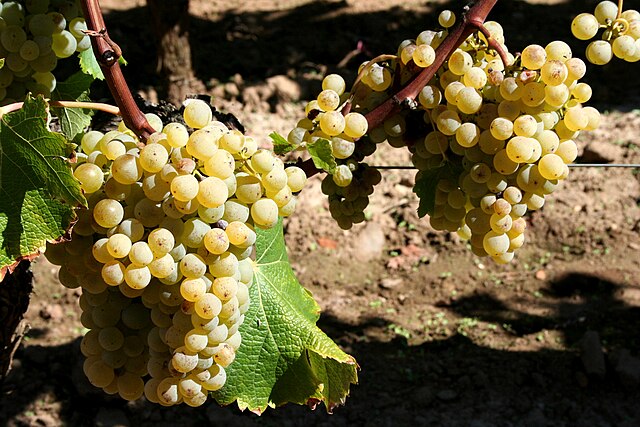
442 338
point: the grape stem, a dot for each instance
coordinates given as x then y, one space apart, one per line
107 108
107 53
620 3
472 19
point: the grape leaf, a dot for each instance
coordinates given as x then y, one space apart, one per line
425 187
284 356
322 156
37 189
73 121
280 144
89 64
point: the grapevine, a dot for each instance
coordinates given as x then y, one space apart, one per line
157 223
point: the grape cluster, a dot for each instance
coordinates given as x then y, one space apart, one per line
163 253
491 139
352 182
34 34
621 35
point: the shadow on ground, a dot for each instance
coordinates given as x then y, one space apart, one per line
449 382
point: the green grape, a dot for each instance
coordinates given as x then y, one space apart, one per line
140 254
356 125
119 245
90 176
476 78
192 289
184 187
533 57
606 10
153 157
64 44
197 114
430 96
558 50
585 26
554 72
328 100
511 89
424 55
575 119
264 213
468 100
501 128
460 62
235 210
108 213
446 18
533 94
332 123
220 165
212 192
232 142
599 52
334 82
556 96
624 47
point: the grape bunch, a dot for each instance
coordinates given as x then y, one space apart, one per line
352 182
620 36
490 135
163 253
34 34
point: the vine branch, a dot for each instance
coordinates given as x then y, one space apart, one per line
107 108
107 53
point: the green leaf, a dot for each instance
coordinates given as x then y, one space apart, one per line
280 144
37 189
89 64
322 156
425 187
73 120
284 356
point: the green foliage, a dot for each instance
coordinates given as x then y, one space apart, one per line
284 356
280 144
89 64
37 189
73 121
322 155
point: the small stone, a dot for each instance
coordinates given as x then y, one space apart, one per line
46 420
447 395
391 282
369 244
541 275
52 312
286 89
592 355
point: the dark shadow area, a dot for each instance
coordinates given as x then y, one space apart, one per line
579 302
308 38
450 382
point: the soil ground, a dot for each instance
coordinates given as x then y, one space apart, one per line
442 338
